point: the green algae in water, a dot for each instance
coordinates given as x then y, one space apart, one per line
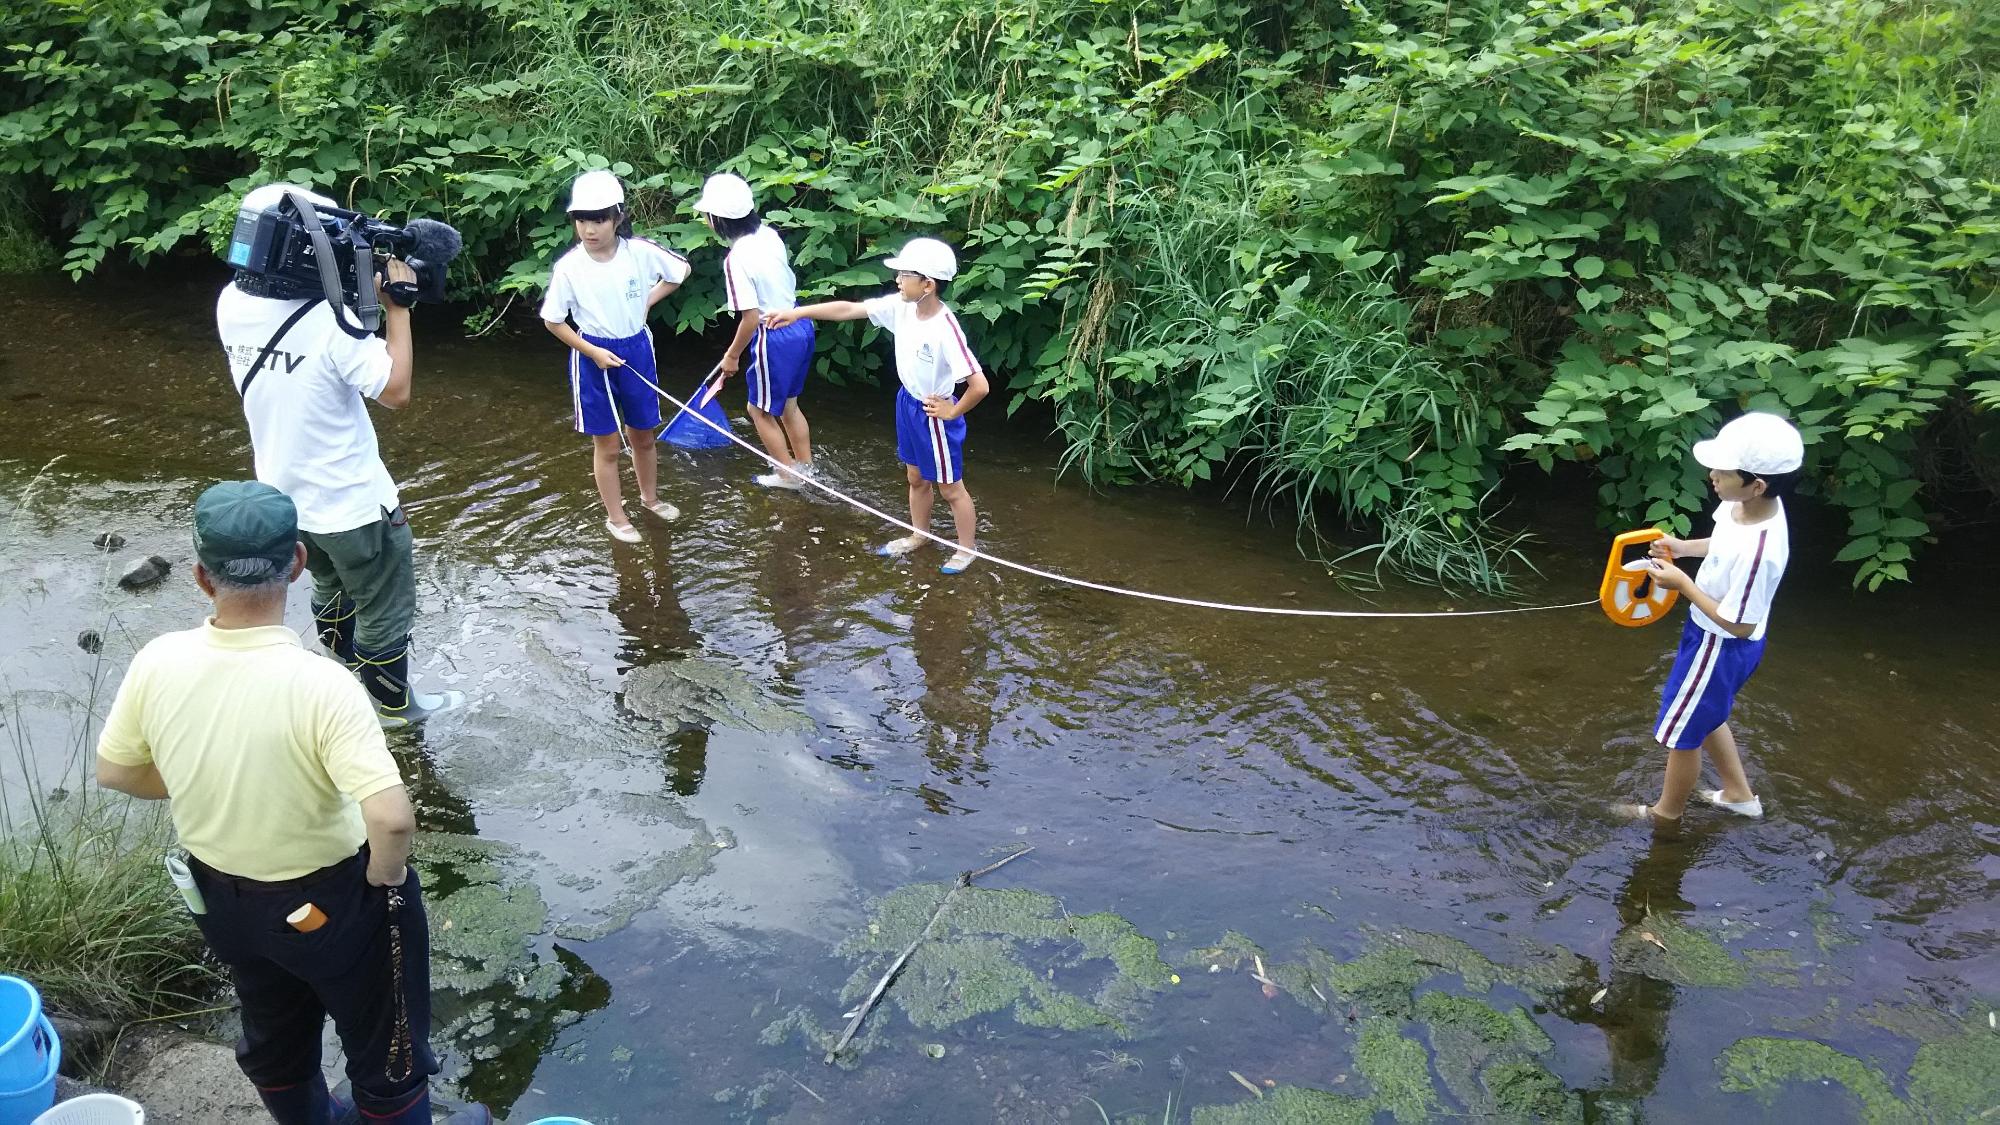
1527 1091
1763 1065
1957 1079
1232 952
1689 957
1290 1105
1398 1068
1384 977
479 935
974 963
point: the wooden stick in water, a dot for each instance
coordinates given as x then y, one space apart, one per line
965 879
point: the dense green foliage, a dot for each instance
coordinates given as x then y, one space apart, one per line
1359 257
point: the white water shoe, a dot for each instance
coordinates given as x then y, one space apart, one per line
1752 808
778 480
662 509
896 548
623 532
958 562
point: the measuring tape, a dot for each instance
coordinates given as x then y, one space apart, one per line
1628 593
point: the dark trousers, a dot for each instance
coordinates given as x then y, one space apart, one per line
290 982
369 573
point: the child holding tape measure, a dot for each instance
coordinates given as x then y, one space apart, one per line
1753 463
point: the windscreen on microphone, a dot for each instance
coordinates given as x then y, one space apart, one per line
432 241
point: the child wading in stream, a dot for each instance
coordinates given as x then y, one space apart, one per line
932 362
1753 463
757 279
607 283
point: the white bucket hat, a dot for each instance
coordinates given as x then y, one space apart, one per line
595 191
268 196
1759 444
726 195
926 256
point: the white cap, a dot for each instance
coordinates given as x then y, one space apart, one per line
726 195
270 195
926 256
595 191
1758 444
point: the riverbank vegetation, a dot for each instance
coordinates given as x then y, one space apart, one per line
86 911
1361 258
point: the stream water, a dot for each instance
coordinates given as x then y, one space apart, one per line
671 828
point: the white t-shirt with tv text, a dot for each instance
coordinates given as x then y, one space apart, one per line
310 432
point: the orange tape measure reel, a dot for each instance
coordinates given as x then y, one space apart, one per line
1628 593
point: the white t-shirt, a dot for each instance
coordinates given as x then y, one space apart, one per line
757 273
608 299
309 428
932 356
1742 569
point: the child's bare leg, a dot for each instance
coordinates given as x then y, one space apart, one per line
1683 770
604 469
645 463
963 518
797 432
922 494
1720 746
772 435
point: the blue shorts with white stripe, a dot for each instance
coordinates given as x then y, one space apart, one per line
1708 672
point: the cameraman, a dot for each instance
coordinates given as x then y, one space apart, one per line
313 440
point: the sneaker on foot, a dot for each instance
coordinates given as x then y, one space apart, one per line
662 509
422 706
778 480
623 532
896 548
1753 808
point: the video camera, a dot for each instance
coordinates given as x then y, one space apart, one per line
287 244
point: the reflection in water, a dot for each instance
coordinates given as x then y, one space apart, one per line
653 627
1636 1005
952 642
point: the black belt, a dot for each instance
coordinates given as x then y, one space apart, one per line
310 878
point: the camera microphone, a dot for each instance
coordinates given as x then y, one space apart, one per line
433 242
431 247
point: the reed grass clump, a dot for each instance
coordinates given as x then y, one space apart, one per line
86 912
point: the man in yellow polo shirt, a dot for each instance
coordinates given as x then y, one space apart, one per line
296 823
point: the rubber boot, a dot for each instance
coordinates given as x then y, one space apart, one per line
304 1103
335 623
386 675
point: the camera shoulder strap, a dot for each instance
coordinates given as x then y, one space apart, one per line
262 356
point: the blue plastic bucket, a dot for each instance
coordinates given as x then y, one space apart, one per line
24 1045
21 1106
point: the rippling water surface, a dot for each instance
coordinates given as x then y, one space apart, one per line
1304 783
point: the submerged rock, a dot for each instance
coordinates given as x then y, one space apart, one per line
144 572
697 692
90 641
108 541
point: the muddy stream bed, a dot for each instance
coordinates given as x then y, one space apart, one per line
709 785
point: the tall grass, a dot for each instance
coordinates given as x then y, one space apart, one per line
86 911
